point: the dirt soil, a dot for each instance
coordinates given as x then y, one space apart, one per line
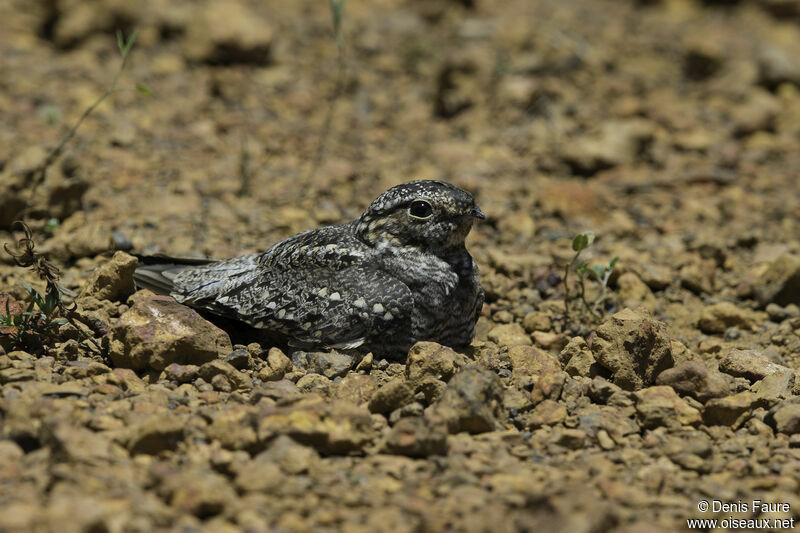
668 128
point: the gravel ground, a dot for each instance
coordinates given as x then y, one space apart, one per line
668 128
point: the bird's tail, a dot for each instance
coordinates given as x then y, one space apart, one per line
156 272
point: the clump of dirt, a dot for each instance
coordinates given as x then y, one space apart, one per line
668 128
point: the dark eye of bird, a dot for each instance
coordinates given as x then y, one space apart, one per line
420 209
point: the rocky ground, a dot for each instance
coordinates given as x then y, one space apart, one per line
669 128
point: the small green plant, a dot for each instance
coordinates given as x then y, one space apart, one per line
337 13
44 314
43 322
601 272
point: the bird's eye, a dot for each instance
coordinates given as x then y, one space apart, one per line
420 209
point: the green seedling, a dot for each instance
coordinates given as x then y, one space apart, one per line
45 313
337 13
599 271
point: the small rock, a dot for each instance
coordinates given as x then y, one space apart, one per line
728 411
355 388
537 321
314 383
573 439
774 388
777 65
155 434
549 386
693 378
473 401
158 331
776 312
365 365
618 142
337 427
660 406
238 380
634 347
198 491
112 280
393 395
634 292
750 364
509 335
291 456
546 413
758 113
655 276
329 364
417 437
549 340
697 275
260 475
528 361
719 317
702 57
181 373
226 33
282 391
79 445
278 365
431 360
785 418
780 282
578 359
240 359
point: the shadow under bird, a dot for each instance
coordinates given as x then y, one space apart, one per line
398 274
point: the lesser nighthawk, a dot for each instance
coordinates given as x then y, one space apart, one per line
398 274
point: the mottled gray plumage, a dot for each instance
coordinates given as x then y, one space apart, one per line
398 274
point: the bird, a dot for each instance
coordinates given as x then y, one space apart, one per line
398 274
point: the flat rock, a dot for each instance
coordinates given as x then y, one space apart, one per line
530 361
158 331
727 411
661 406
155 434
112 280
238 380
774 388
338 427
720 316
634 347
693 378
750 364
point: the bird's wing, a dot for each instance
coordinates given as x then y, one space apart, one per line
316 292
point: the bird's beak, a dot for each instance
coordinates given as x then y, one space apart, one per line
477 213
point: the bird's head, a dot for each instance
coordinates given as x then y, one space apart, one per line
431 215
